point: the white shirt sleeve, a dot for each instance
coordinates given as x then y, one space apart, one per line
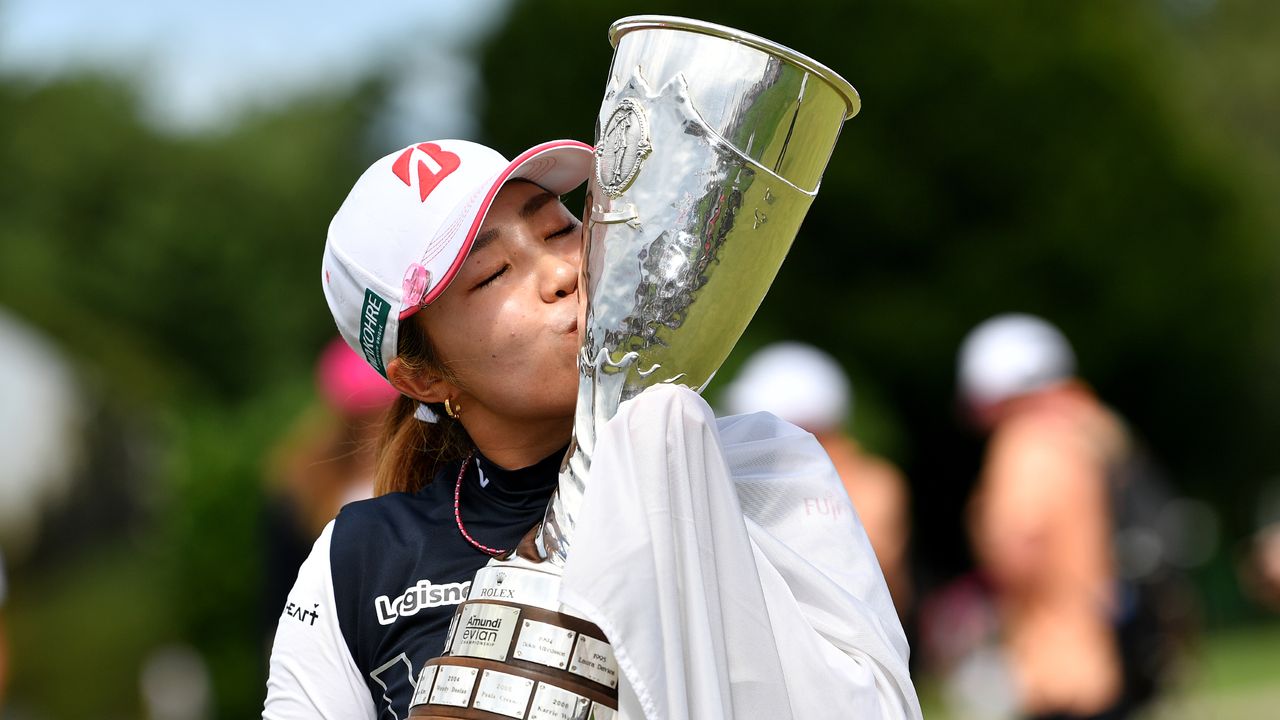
313 675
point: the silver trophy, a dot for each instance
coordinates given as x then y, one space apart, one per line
710 146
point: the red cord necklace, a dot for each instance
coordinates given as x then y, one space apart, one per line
457 515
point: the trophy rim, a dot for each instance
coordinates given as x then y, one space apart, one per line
632 23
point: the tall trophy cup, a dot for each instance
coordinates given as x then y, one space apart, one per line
710 146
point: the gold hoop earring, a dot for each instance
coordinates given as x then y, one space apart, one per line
451 410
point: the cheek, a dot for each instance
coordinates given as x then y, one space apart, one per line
486 323
513 329
503 342
502 351
574 255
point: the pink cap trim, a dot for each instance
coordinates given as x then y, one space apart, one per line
483 210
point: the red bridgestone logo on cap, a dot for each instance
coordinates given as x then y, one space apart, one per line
434 165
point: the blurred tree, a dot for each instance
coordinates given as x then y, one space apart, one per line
172 262
182 273
1009 156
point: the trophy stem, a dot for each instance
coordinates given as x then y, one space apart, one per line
555 534
554 537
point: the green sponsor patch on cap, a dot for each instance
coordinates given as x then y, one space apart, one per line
373 326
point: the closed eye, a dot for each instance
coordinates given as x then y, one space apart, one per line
573 225
492 277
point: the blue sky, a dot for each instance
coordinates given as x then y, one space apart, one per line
200 64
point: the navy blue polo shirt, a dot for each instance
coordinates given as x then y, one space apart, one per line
400 565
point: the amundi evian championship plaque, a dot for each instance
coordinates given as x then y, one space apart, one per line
710 145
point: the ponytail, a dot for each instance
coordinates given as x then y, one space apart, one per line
410 451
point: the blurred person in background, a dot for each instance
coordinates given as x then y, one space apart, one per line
1058 525
1260 572
1258 561
326 461
807 387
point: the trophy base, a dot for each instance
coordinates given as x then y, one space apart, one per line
514 652
531 695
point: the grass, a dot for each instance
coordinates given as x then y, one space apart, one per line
1234 675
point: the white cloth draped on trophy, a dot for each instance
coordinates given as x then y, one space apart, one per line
730 572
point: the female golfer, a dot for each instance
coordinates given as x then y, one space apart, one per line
454 273
722 560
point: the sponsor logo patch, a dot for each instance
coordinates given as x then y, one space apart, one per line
434 164
417 597
373 326
826 508
301 613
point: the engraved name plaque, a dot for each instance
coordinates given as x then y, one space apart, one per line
593 659
553 703
545 644
453 686
503 693
423 690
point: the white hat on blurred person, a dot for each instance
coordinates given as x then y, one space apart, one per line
405 229
1010 355
797 382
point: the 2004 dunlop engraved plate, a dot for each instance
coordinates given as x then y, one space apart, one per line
710 145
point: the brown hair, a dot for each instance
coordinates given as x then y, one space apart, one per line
411 451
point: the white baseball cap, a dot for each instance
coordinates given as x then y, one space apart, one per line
406 227
1010 355
795 381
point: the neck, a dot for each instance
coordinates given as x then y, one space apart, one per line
515 444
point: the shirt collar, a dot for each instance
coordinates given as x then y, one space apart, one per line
519 485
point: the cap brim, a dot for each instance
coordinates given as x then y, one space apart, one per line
557 166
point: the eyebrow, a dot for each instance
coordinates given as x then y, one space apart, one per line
528 210
535 203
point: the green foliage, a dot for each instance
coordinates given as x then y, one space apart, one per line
176 263
183 273
214 564
101 607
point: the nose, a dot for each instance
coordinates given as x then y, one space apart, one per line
559 276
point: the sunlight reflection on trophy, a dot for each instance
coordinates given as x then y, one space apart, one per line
710 146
